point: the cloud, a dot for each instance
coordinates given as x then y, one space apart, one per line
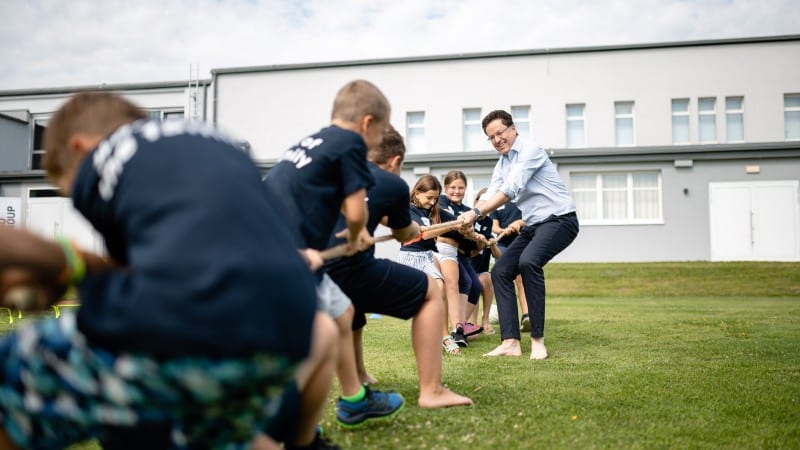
48 43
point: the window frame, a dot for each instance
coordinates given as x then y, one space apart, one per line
618 117
630 190
37 154
707 114
163 113
581 119
414 126
524 120
787 110
470 124
734 112
684 115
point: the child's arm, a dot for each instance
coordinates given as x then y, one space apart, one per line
27 260
354 209
496 228
23 250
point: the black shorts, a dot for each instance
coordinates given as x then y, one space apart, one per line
384 287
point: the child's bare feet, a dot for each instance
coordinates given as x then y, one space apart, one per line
509 347
442 398
538 350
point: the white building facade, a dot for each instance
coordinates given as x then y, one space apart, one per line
673 151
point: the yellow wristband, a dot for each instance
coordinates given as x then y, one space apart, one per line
75 269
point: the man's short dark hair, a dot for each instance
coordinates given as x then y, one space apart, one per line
497 114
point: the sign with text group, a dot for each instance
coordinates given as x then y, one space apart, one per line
11 212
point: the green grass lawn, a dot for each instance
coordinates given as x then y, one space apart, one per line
667 355
684 355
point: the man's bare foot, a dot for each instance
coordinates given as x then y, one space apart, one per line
442 398
538 350
488 328
509 347
367 379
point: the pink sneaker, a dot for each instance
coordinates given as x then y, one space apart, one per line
471 330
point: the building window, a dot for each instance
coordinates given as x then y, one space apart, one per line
522 120
707 119
734 119
617 198
415 132
623 122
680 121
474 138
476 182
37 153
164 114
791 116
576 136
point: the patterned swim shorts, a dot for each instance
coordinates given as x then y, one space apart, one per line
56 390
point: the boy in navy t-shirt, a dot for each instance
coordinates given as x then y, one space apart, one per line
387 287
186 326
319 179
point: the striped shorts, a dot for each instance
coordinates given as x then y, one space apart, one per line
56 390
423 261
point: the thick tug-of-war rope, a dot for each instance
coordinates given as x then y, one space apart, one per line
341 249
437 229
424 233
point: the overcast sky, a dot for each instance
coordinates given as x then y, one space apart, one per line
55 43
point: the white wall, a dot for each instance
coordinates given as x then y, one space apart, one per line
274 109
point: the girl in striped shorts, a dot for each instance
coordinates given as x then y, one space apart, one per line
424 210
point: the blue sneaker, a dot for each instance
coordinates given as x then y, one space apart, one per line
374 404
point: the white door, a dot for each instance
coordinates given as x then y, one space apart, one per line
757 221
51 217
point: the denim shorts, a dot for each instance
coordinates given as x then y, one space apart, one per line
56 389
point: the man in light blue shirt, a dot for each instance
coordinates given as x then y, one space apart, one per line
524 173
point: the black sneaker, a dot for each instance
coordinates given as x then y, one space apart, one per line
458 336
374 404
319 443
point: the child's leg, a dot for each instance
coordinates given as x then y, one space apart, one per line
361 368
315 375
452 296
488 299
432 394
523 303
349 381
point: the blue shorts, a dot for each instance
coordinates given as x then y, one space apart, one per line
56 390
384 287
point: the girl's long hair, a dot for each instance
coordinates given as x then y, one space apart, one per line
425 184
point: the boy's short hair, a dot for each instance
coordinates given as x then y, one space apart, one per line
391 145
87 112
359 98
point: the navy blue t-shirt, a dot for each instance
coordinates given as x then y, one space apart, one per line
388 197
506 215
423 217
453 208
314 178
208 267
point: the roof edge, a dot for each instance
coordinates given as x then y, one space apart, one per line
503 54
152 85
